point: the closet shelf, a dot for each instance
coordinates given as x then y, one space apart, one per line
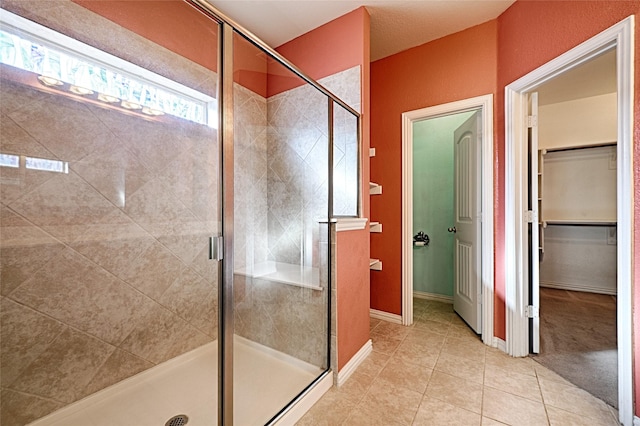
375 227
374 188
375 264
578 222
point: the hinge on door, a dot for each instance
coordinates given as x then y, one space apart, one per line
531 216
532 311
216 248
532 121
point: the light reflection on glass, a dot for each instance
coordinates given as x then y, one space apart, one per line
7 160
47 165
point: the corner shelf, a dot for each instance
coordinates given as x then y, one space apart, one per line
374 227
374 188
375 264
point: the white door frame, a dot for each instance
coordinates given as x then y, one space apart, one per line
621 37
485 104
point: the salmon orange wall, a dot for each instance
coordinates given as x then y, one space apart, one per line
336 46
459 66
531 33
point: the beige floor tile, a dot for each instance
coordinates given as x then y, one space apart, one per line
512 382
384 344
444 317
363 417
465 347
426 336
407 375
486 421
524 365
559 417
418 352
573 399
355 387
433 412
388 402
512 409
332 409
461 367
432 326
544 373
373 365
391 330
373 323
456 391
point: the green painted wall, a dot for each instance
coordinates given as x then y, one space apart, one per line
433 202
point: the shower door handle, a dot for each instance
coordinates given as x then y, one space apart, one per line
216 247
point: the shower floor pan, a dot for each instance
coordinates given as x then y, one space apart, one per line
265 380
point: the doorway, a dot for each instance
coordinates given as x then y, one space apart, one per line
484 156
522 306
576 200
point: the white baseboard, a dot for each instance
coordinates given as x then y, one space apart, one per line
500 344
636 421
385 316
432 296
354 362
305 403
578 287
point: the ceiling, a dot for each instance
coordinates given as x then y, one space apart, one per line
396 25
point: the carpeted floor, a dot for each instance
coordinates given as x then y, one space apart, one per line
578 340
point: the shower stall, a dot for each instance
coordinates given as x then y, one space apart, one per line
168 188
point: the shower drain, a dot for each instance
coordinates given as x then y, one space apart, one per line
179 420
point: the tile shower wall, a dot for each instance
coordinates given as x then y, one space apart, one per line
284 141
104 270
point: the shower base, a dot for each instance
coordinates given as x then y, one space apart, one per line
265 380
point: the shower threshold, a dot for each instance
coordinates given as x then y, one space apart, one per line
265 381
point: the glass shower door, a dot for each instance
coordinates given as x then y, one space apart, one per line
281 250
109 191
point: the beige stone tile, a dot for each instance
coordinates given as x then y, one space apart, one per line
16 96
499 359
63 370
559 417
61 125
391 330
465 347
384 344
161 335
418 352
373 323
186 295
119 366
486 421
455 391
25 334
153 271
64 206
512 409
19 409
365 417
464 368
77 292
425 336
331 409
114 243
462 332
24 248
355 387
435 412
403 374
432 326
544 373
518 384
438 316
573 399
388 402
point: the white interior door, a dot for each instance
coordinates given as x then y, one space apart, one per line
534 227
467 292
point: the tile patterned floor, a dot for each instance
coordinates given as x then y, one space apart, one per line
438 372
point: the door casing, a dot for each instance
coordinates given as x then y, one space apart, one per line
485 104
620 37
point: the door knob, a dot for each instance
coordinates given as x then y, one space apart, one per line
452 229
